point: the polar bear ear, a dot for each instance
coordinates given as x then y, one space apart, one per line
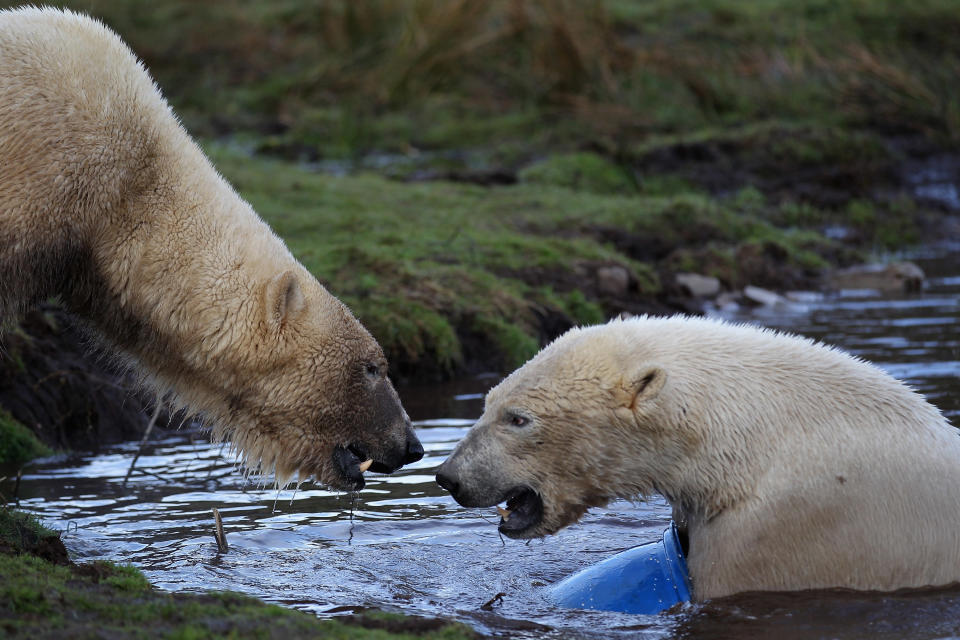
642 385
282 299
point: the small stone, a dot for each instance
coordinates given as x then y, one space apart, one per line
804 297
728 302
896 277
613 280
697 285
762 297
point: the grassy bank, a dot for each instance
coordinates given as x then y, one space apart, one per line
18 445
345 77
450 274
454 277
44 595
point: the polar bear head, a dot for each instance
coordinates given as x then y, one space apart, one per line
589 419
296 384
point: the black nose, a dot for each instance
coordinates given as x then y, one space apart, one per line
449 484
414 451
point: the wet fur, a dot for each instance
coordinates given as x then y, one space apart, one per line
794 465
106 202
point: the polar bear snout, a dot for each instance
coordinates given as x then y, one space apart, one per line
381 439
523 512
449 483
465 492
354 459
477 474
469 474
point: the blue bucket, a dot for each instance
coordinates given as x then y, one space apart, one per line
646 579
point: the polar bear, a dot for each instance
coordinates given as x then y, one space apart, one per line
795 465
106 202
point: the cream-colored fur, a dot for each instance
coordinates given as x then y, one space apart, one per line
795 465
107 202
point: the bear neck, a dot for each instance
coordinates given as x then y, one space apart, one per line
807 464
173 278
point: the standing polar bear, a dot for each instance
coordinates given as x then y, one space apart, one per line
106 202
794 465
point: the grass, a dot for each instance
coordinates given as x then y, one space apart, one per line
19 531
40 599
346 77
646 136
581 171
446 271
18 445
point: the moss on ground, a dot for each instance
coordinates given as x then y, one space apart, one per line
44 599
582 171
447 274
18 444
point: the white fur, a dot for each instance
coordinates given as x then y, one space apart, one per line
794 464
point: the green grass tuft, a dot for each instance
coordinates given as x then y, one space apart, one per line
18 445
102 599
444 274
580 171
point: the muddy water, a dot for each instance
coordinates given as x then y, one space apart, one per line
402 544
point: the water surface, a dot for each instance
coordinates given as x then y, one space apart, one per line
403 545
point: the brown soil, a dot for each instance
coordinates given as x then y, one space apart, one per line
24 539
805 165
406 625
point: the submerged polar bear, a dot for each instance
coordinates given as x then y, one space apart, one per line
794 465
107 202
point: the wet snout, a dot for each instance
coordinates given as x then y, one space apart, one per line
479 473
400 445
413 448
470 473
398 453
466 492
385 445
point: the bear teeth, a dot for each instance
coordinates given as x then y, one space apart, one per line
366 464
504 513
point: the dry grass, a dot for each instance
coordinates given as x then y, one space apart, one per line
615 68
888 89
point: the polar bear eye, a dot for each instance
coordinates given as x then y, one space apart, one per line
518 421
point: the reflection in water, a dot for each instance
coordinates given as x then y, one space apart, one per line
402 544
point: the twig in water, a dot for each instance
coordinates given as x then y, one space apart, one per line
143 441
16 488
497 599
219 533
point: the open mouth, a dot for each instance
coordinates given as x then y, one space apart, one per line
353 461
524 511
